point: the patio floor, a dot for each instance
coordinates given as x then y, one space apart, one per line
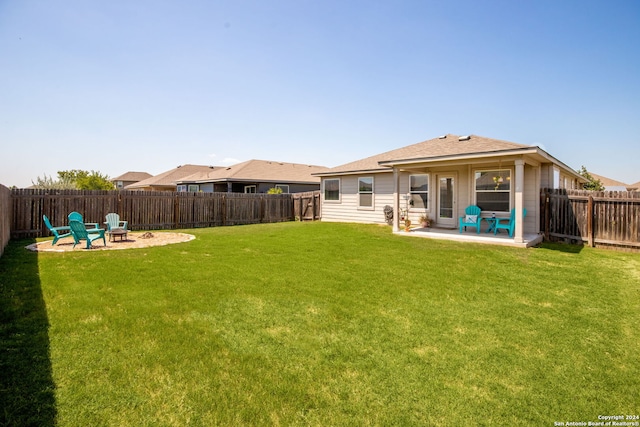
502 238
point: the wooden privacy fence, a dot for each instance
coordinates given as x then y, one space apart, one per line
145 210
597 218
5 217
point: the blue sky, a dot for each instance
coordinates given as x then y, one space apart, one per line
143 85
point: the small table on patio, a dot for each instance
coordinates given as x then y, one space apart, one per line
492 224
117 232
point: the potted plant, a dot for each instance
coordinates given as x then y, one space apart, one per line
407 224
425 221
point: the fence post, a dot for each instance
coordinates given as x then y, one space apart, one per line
547 222
590 235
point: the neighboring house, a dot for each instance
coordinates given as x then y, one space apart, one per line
610 184
441 177
166 181
634 187
129 178
254 176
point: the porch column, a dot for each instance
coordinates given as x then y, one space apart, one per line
396 199
518 234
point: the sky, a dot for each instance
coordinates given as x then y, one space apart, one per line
147 85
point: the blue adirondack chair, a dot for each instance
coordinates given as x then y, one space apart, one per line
58 232
471 218
508 224
113 222
80 232
76 216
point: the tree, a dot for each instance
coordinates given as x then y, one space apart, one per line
593 183
275 190
75 179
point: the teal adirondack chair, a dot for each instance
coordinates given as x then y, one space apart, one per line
58 232
471 218
113 222
80 232
508 224
76 216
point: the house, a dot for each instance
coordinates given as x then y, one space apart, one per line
129 178
254 176
166 181
634 187
441 177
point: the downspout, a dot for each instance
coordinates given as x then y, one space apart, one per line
518 235
396 199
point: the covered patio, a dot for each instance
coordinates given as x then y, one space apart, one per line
502 238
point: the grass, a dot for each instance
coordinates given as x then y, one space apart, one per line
318 324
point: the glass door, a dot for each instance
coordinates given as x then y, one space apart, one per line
446 188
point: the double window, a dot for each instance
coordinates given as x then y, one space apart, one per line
419 191
365 192
332 189
493 190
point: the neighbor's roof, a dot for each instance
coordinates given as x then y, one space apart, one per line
444 147
132 176
169 177
635 186
258 170
609 183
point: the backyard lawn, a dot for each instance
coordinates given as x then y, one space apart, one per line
318 324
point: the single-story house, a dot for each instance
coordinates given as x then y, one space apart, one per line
254 176
129 178
443 176
634 187
166 181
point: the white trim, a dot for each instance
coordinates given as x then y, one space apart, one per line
324 190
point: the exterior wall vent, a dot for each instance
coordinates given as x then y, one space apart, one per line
442 137
464 138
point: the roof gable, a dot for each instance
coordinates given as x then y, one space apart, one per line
169 177
132 176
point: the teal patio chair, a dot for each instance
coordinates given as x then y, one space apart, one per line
471 218
76 216
113 222
58 232
508 224
80 232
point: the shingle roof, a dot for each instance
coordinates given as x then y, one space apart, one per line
635 186
259 170
446 145
169 177
132 176
608 182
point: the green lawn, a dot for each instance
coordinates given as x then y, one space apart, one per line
318 324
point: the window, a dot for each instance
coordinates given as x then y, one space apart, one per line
419 190
119 184
182 188
365 192
194 188
249 188
284 187
332 189
493 190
